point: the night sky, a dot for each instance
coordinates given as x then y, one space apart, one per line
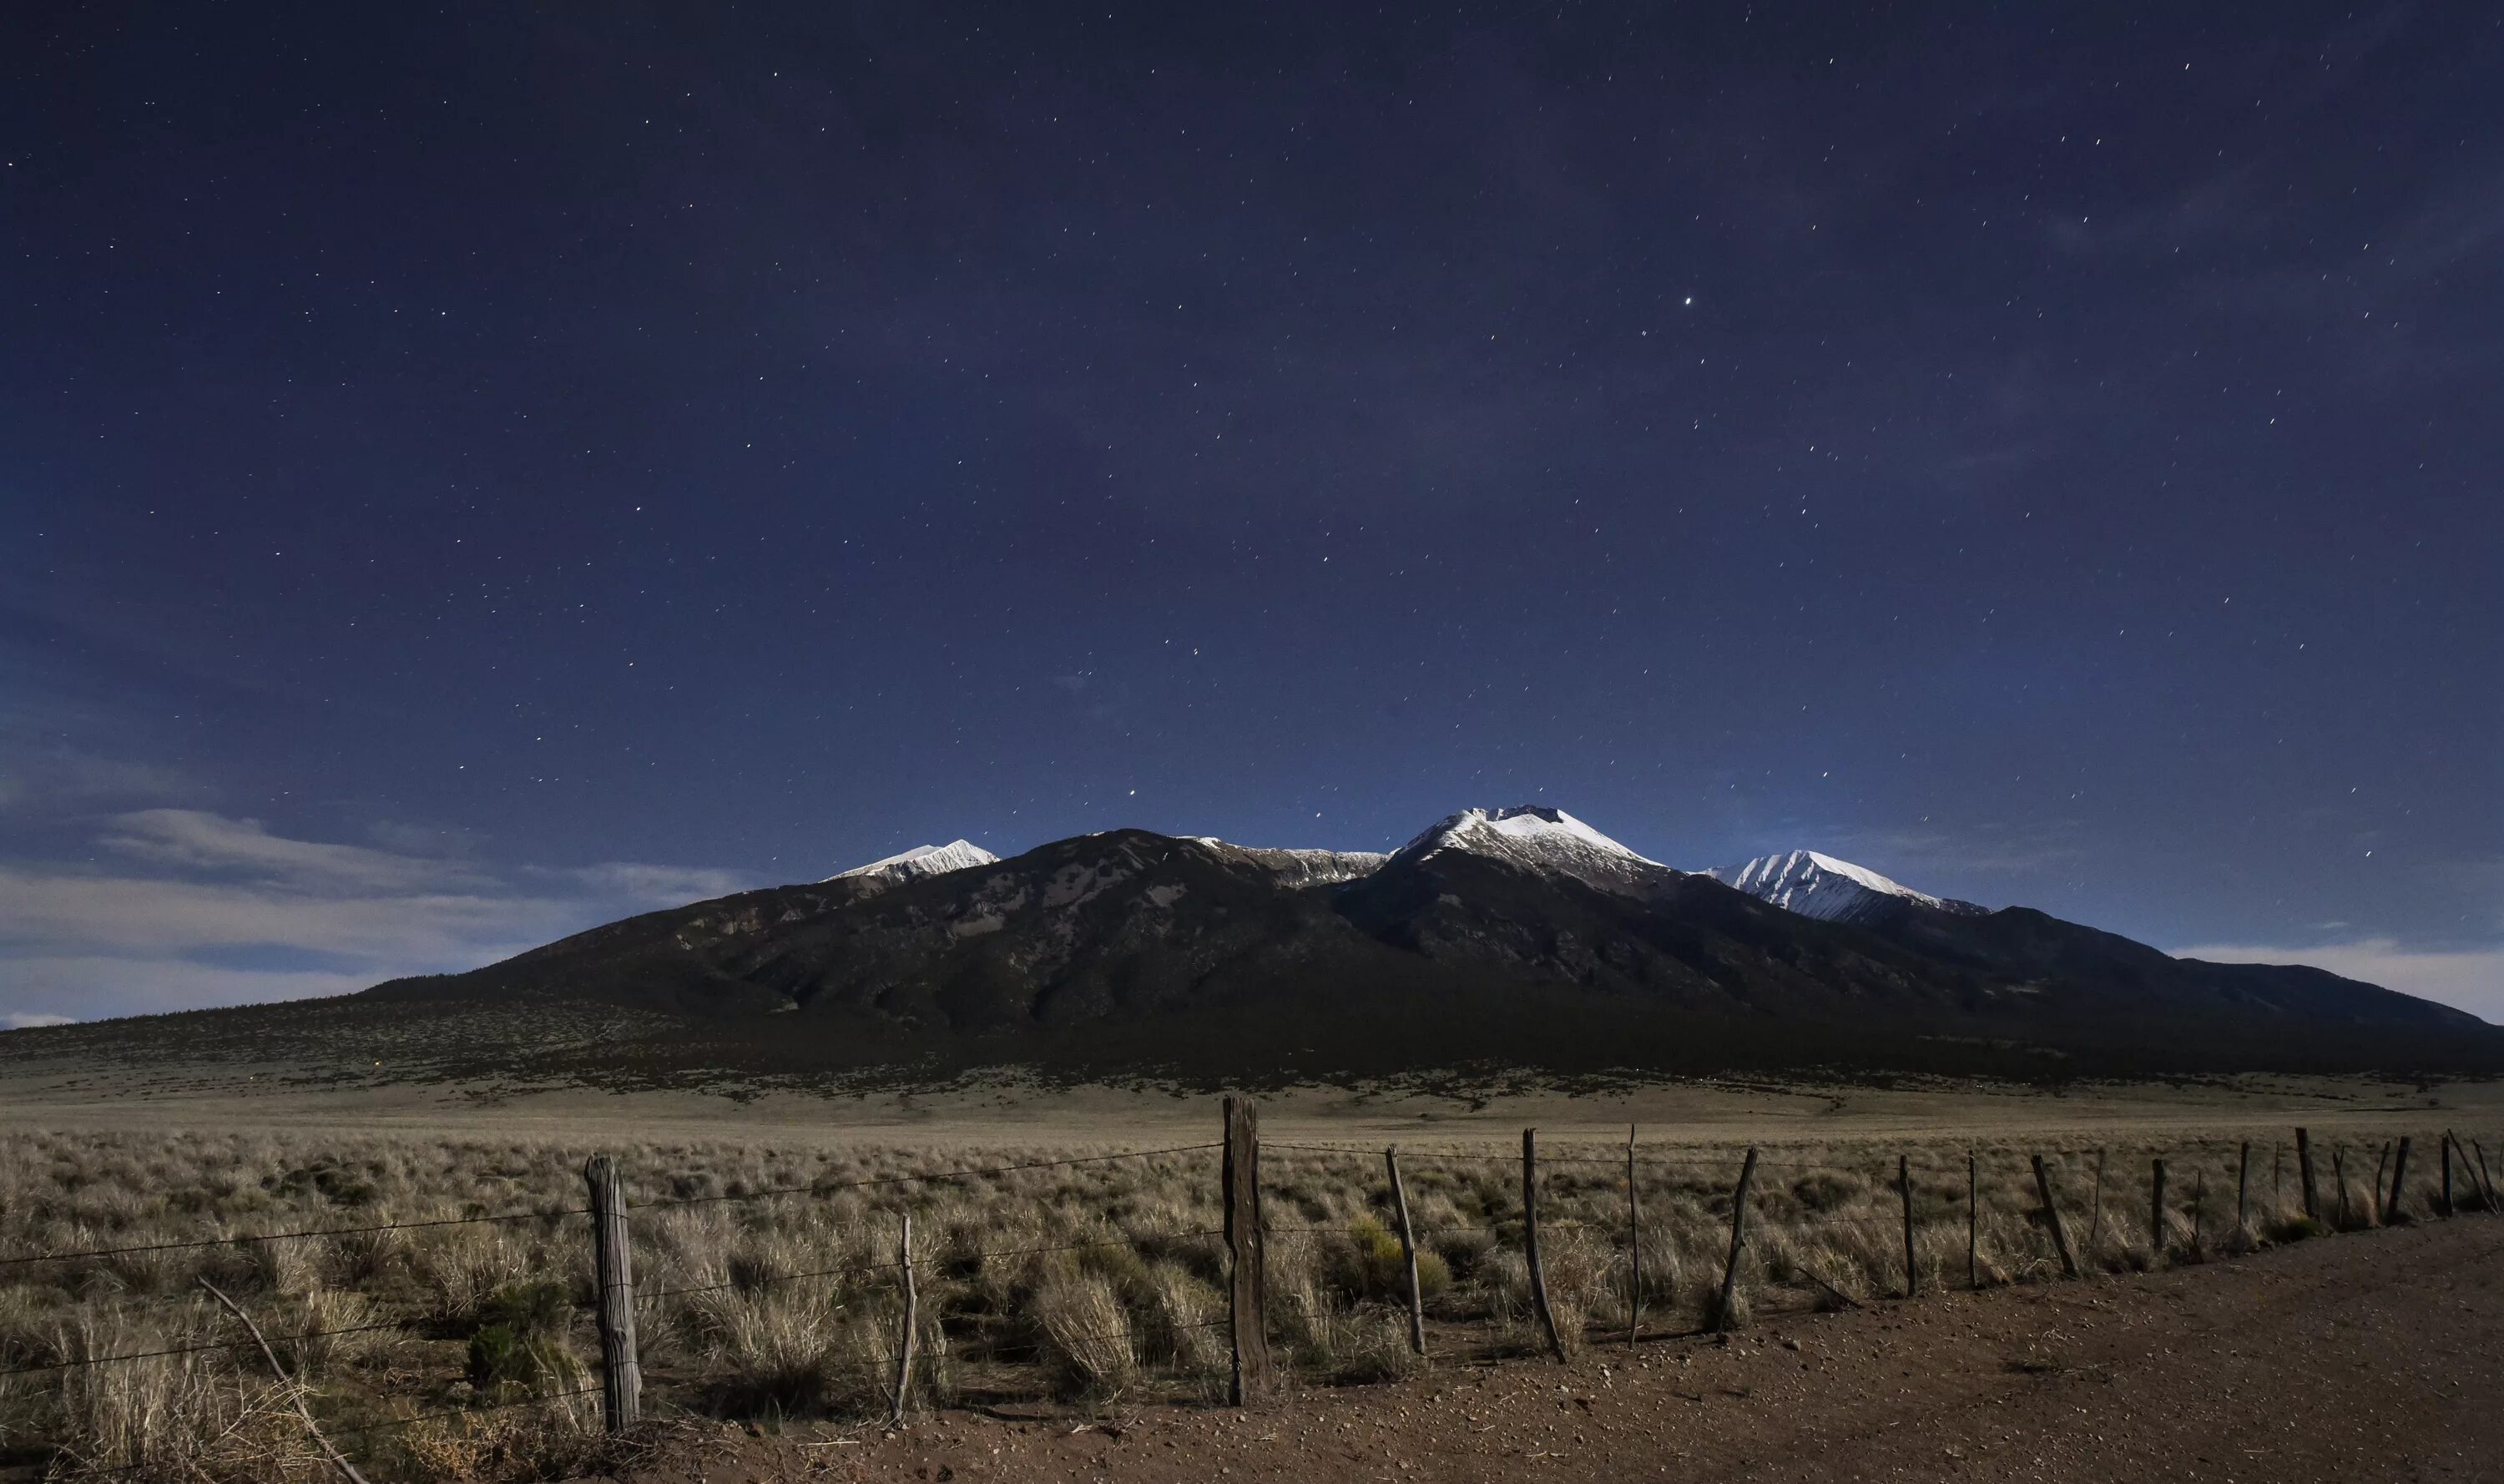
466 476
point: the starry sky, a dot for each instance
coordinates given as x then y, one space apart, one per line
468 473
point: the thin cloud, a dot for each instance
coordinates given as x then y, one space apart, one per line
208 910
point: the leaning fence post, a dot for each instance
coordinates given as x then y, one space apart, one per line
2399 1178
1634 1247
1973 1220
1249 1289
2304 1172
1408 1251
2447 1172
1904 1187
2096 1211
2486 1175
2156 1214
1722 1316
2381 1202
2052 1214
2339 1175
621 1375
2242 1190
912 1321
2199 1214
1530 1239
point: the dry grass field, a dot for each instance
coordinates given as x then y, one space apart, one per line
1055 1269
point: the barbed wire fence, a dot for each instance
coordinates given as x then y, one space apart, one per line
1782 1236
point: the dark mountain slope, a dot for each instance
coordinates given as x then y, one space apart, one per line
1131 951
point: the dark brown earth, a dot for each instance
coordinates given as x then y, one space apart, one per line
2376 1356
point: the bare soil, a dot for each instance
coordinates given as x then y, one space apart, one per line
2370 1356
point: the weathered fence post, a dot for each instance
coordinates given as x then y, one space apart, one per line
2304 1172
1250 1288
2399 1183
2052 1215
1973 1220
912 1322
2156 1243
2339 1175
1634 1246
1722 1314
2243 1192
2486 1175
2277 1182
621 1375
2199 1215
1530 1240
2381 1162
1408 1251
1904 1187
2447 1172
2096 1211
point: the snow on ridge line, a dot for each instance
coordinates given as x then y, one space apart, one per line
1538 826
1816 885
921 861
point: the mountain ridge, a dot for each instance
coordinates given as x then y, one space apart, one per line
1518 937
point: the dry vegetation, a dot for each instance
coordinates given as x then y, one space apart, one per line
767 1288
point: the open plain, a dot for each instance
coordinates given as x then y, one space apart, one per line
420 1258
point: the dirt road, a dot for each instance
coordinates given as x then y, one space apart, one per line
2368 1357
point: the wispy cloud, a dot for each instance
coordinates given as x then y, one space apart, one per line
2470 978
202 908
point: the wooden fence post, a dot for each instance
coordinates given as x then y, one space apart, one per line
2399 1181
2199 1214
2382 1163
2339 1175
2096 1211
1407 1253
1530 1240
2052 1214
2156 1243
1250 1286
2447 1172
621 1375
1973 1220
1904 1187
2304 1172
2277 1182
2486 1175
1721 1315
2243 1191
912 1322
1634 1246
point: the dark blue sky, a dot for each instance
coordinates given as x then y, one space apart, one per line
466 474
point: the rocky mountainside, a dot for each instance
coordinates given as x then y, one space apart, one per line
1519 938
1833 890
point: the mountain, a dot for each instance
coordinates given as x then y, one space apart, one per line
1304 867
1542 840
920 861
1514 938
1831 890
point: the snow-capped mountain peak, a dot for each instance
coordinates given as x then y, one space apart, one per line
1538 838
1818 886
920 861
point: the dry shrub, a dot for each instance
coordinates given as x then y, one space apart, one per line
174 1417
1086 1331
561 1438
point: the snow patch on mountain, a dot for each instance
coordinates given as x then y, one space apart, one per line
1818 885
920 861
1303 867
1537 838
